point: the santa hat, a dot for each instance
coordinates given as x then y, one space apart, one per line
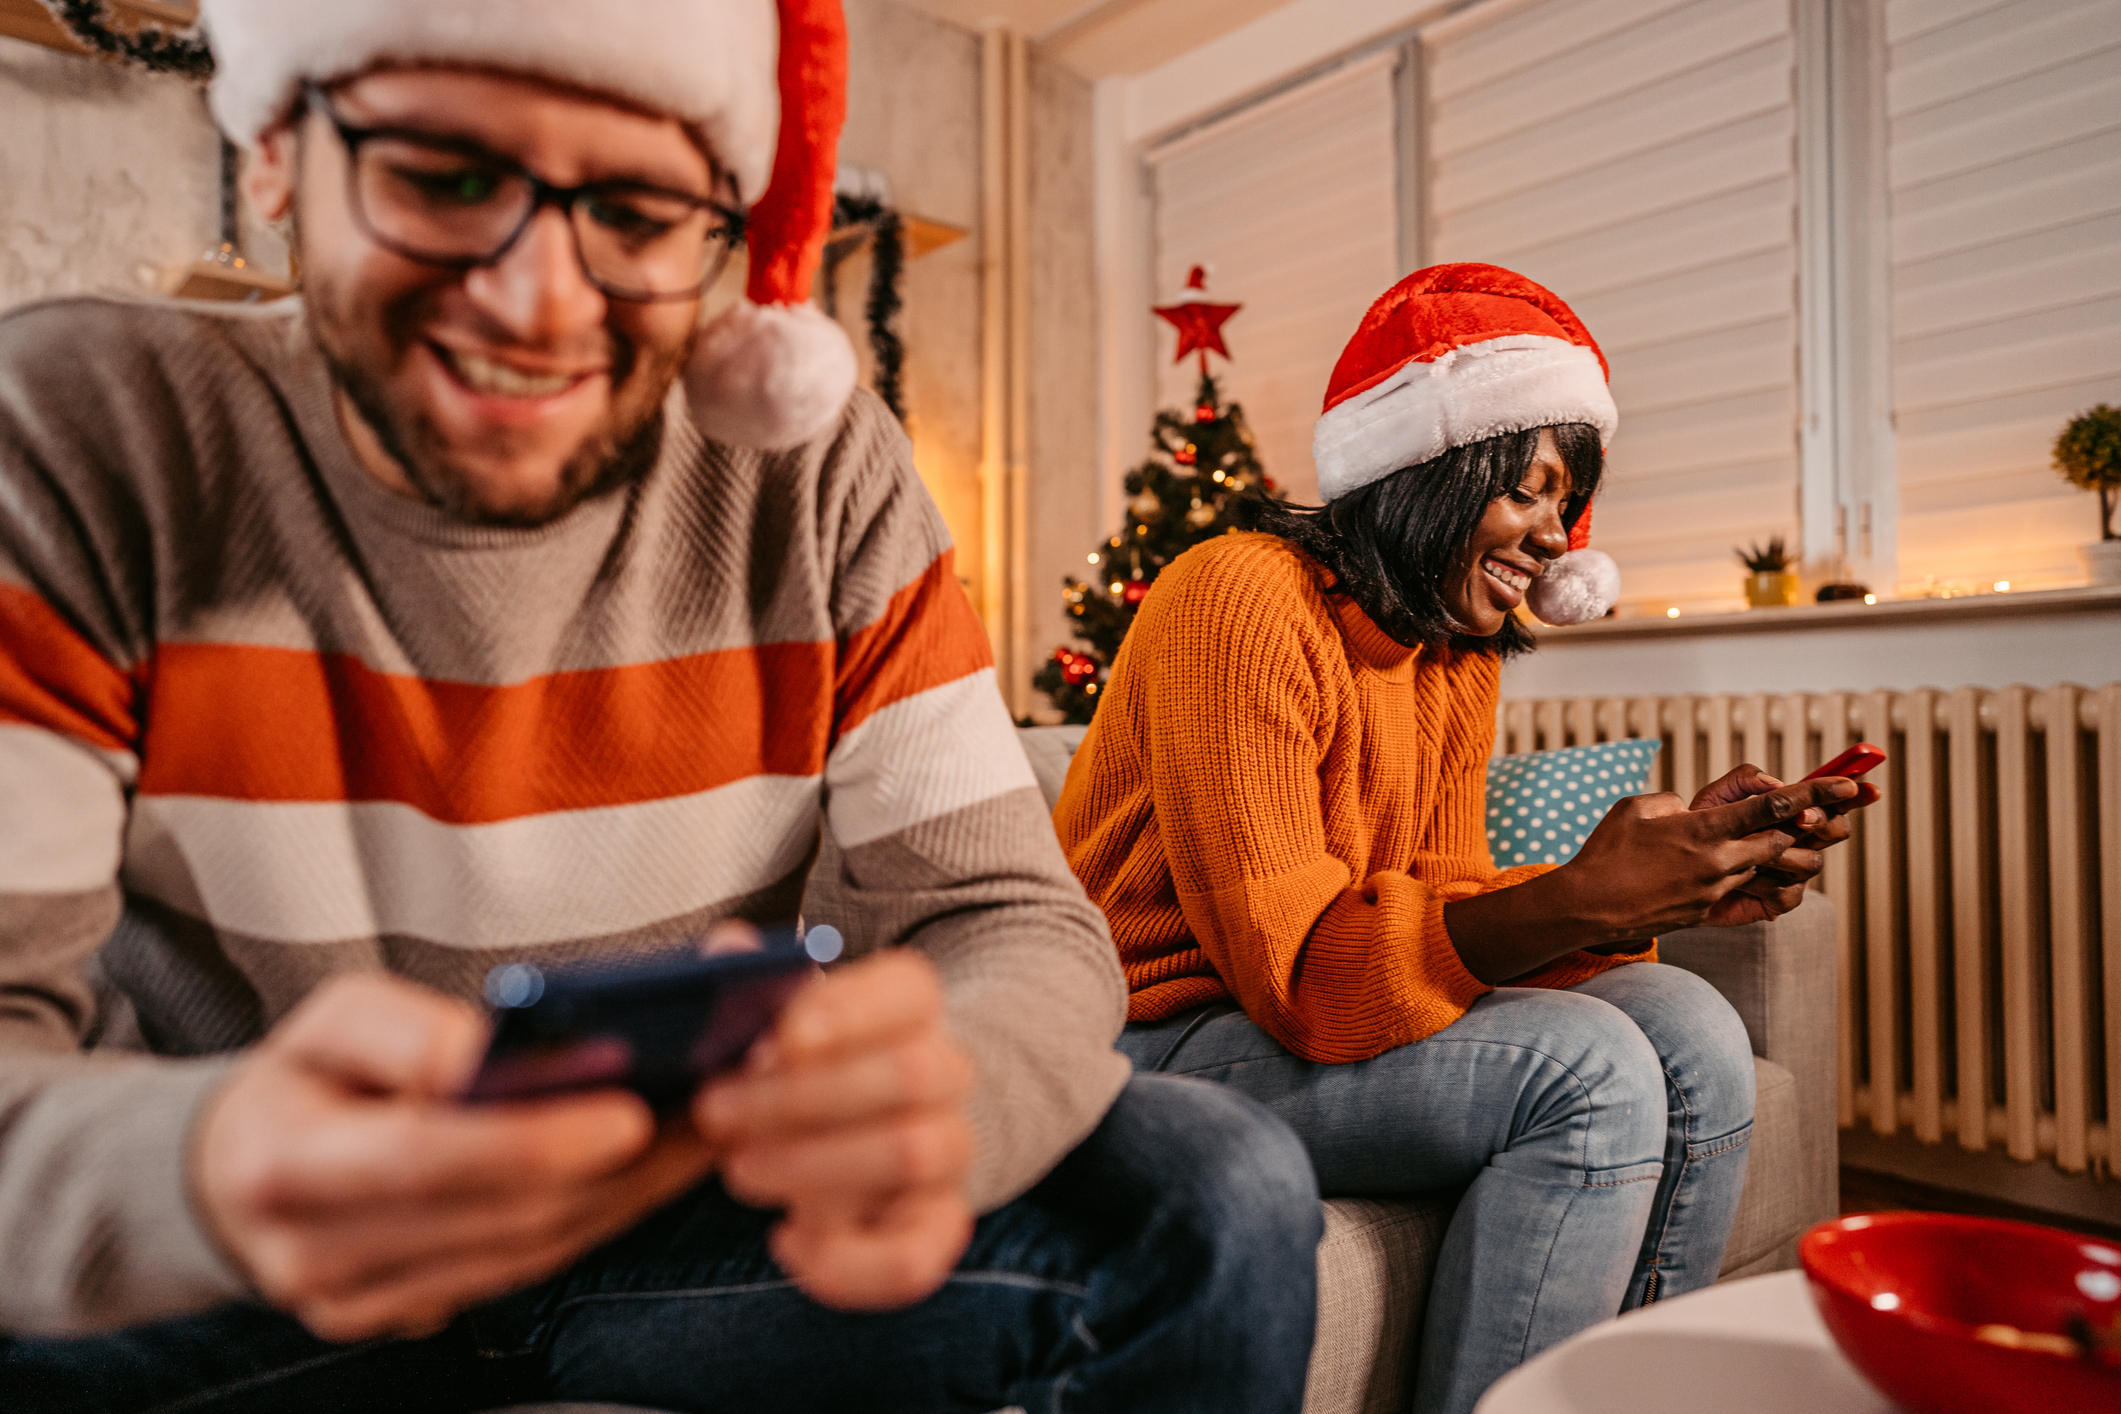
1456 354
763 83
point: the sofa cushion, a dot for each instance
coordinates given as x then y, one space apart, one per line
1771 1210
1373 1280
1542 805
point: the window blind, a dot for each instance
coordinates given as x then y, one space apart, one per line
2004 154
1292 205
1638 158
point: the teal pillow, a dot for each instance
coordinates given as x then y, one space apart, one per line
1543 805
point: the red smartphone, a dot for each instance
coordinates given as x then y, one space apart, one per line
1853 763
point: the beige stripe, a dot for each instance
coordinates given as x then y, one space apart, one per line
331 871
928 755
61 814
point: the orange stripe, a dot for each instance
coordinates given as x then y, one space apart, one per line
51 677
276 724
926 636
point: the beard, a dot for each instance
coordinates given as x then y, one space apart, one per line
617 452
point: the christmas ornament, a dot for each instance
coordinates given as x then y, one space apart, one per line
1199 323
1201 516
1136 591
1145 507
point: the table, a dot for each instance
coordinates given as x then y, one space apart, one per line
1744 1347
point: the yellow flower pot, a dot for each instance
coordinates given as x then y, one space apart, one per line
1770 589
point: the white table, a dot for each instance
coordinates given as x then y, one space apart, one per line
1746 1347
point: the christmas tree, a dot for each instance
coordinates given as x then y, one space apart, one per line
1201 472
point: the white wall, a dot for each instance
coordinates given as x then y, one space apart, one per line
108 176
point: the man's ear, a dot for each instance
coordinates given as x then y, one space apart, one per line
269 174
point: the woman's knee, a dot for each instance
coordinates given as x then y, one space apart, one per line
1594 1083
1699 1038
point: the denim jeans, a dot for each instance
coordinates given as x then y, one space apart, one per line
1599 1135
1168 1263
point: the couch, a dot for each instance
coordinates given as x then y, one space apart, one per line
1375 1262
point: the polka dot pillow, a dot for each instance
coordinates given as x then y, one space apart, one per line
1543 804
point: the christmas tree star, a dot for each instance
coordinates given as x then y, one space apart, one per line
1199 323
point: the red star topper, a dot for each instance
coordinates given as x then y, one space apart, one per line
1199 323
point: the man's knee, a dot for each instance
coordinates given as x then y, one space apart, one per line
1217 1163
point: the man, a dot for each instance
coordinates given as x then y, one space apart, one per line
352 646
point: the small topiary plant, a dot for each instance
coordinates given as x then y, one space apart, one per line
1772 560
2088 454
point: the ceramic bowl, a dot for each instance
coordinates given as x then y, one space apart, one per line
1953 1315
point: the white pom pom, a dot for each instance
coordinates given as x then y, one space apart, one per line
769 375
1576 588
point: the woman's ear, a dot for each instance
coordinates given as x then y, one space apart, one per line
269 174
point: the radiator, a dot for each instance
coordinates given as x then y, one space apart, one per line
1979 904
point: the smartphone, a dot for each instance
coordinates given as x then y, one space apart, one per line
1854 763
657 1026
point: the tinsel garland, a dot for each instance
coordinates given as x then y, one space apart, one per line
887 265
181 52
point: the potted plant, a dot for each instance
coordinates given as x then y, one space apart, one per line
2088 454
1772 583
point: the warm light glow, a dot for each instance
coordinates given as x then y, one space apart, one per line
1671 613
1870 598
2003 586
1090 691
1093 557
1117 586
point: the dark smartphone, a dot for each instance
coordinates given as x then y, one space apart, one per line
1856 762
658 1026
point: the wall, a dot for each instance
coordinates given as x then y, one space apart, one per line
925 138
1067 512
108 177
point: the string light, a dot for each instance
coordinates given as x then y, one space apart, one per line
1870 598
1671 613
2003 586
1093 557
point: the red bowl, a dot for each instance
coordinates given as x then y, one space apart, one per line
1946 1315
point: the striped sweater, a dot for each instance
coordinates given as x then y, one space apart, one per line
1276 801
262 721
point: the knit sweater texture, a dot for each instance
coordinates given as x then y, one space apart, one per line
263 722
1275 802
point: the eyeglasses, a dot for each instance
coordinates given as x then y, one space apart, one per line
450 203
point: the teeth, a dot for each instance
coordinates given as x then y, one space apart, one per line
1505 576
486 376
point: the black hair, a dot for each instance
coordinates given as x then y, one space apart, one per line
1391 544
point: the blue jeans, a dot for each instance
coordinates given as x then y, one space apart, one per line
1168 1263
1599 1135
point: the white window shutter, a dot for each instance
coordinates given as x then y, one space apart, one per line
1638 158
1293 205
2005 162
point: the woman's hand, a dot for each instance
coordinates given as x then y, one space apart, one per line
1653 864
1779 887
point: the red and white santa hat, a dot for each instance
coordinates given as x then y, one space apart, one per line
762 82
1456 354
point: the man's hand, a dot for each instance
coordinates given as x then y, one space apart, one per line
1778 888
1653 865
340 1173
850 1116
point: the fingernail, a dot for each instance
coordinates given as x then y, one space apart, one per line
1843 789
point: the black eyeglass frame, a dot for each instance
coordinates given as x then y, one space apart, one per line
542 195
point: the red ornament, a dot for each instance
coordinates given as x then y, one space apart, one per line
1204 413
1198 322
1184 456
1075 668
1136 591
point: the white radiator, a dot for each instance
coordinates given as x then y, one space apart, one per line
1979 904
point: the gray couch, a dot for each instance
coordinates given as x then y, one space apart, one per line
1377 1257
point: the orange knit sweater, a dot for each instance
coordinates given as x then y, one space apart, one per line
1275 802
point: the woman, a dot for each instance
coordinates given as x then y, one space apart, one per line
1279 806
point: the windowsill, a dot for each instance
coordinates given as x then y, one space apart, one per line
1847 614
